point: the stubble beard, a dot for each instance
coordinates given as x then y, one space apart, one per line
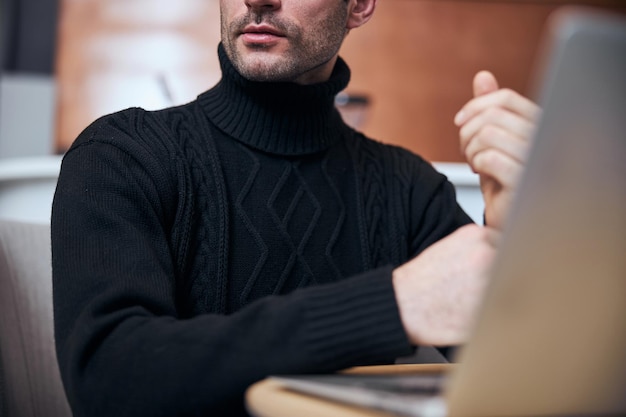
304 53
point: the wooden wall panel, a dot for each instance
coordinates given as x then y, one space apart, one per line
415 60
115 54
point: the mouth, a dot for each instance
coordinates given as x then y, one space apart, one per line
261 34
262 29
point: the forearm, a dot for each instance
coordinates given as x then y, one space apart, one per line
164 366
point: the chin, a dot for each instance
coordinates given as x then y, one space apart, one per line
264 69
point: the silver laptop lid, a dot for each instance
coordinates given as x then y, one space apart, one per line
551 338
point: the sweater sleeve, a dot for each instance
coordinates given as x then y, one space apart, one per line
121 346
436 212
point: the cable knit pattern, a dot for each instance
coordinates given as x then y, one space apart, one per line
200 248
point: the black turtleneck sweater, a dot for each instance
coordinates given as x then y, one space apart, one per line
200 248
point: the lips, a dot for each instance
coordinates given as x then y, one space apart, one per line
263 35
262 30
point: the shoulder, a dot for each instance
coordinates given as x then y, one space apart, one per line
127 157
147 136
134 127
136 142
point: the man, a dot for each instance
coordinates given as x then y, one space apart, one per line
201 248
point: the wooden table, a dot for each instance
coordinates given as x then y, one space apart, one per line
268 398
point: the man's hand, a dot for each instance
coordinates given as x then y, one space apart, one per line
439 291
495 131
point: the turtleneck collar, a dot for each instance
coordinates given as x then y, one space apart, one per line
277 117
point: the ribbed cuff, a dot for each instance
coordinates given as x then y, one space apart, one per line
355 322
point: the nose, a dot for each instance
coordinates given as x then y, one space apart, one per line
261 5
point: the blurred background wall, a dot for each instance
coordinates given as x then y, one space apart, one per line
67 62
28 35
29 30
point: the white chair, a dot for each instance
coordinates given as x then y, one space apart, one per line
30 383
27 187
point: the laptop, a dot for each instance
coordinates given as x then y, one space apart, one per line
550 338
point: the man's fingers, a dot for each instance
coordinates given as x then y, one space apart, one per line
495 122
499 166
484 82
493 136
503 98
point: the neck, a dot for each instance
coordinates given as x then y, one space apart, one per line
279 118
319 74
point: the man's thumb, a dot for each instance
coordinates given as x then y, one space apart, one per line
484 82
